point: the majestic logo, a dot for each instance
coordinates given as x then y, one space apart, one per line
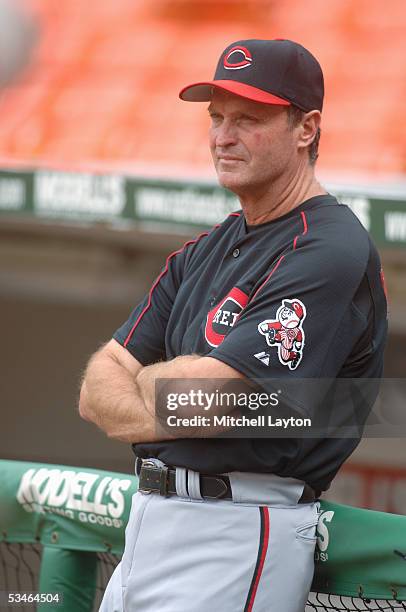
237 58
286 332
264 357
224 316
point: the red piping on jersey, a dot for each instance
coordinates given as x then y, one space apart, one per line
384 284
304 229
276 266
164 271
263 548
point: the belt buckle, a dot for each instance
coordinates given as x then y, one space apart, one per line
146 463
163 478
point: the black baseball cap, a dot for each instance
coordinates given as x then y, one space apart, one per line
270 71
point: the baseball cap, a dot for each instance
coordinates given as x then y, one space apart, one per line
295 307
270 71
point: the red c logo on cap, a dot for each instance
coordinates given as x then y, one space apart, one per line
237 52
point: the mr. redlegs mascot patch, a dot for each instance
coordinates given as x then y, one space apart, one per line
286 332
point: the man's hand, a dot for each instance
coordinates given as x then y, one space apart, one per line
118 393
109 392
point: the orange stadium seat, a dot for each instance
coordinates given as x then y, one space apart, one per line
102 87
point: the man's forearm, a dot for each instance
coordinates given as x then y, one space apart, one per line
112 399
188 376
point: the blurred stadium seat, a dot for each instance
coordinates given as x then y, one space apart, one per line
100 95
104 85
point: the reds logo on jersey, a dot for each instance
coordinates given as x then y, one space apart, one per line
224 316
286 332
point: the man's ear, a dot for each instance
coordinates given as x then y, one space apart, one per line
309 125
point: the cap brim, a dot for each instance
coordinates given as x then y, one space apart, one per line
202 92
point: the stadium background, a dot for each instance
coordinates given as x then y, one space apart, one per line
103 171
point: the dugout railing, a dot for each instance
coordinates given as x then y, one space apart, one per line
62 532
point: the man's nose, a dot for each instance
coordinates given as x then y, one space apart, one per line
226 134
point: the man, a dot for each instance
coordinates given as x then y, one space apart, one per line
288 289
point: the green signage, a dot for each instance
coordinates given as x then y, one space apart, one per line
359 552
127 201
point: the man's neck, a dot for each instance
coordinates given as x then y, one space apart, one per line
280 198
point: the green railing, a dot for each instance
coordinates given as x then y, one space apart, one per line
128 201
74 513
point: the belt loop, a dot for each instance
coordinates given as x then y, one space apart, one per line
194 485
180 481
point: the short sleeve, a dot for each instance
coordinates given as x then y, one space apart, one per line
143 334
301 322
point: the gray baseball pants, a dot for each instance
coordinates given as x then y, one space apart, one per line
254 553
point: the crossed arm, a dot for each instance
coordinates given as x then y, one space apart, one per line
118 393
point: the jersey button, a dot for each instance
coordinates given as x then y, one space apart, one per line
236 252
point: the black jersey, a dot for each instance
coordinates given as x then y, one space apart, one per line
301 296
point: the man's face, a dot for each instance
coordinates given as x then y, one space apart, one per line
252 144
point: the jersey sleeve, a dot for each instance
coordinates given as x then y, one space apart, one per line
301 321
143 334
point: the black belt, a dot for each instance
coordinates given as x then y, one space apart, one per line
162 480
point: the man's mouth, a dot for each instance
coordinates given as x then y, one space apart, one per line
228 158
